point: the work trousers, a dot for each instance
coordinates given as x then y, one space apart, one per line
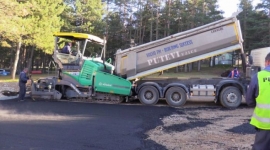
22 91
262 140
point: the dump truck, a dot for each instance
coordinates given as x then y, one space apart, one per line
82 77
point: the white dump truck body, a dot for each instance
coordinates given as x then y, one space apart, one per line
199 43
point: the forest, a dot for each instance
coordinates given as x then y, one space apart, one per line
27 26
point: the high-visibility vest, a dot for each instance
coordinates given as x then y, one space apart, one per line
261 114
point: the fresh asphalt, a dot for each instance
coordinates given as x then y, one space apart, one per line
44 125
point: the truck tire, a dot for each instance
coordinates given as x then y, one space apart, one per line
230 97
176 96
148 95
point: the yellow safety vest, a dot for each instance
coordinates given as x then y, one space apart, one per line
261 114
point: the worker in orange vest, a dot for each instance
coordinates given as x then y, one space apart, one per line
234 73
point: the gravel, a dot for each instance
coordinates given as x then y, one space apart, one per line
206 128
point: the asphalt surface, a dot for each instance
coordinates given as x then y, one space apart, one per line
78 126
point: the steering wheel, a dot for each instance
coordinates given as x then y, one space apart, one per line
74 53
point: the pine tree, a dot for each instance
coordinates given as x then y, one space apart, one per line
80 15
263 10
13 26
254 25
45 21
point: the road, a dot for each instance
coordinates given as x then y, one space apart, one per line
78 126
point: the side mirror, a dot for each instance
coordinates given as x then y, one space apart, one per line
248 72
250 60
109 60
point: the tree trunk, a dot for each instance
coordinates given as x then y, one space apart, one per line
177 69
44 63
157 25
19 44
165 33
151 26
140 33
143 33
33 64
199 65
193 64
186 68
29 66
37 64
24 57
136 36
189 67
232 57
20 65
11 62
168 20
245 30
214 62
27 56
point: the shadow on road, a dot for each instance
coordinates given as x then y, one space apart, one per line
84 126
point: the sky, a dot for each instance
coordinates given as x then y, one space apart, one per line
231 6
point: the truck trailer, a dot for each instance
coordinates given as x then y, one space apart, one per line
82 78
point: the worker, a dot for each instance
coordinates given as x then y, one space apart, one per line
258 95
74 48
234 73
22 83
67 48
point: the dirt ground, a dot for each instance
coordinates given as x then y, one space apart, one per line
198 127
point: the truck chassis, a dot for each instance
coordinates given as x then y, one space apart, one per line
176 92
227 91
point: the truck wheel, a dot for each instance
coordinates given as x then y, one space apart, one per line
230 97
148 95
176 96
